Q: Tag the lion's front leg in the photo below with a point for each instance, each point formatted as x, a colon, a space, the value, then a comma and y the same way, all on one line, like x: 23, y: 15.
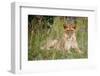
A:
x: 75, y: 46
x: 67, y: 47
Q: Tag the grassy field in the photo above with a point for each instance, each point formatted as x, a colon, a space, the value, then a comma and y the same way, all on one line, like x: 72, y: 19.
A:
x: 35, y: 41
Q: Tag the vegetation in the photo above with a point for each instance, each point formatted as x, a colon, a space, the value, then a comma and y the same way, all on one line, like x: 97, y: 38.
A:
x: 43, y: 28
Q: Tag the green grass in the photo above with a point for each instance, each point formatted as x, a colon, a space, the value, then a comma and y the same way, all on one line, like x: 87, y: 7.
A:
x: 35, y: 42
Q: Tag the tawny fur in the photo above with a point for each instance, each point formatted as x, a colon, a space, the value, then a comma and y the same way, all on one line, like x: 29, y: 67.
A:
x: 67, y: 41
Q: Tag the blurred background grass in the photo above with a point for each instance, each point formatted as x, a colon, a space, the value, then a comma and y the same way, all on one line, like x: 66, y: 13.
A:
x: 43, y: 28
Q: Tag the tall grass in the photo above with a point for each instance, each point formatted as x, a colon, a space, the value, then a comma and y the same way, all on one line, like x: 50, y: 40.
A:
x: 36, y: 40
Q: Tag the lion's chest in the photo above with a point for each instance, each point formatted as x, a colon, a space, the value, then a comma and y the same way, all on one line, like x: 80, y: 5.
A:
x: 70, y: 43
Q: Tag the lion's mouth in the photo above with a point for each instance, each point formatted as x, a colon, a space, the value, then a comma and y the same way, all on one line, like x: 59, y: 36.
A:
x: 69, y: 34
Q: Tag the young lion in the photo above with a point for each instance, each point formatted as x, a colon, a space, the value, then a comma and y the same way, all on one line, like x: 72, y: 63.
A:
x: 67, y: 41
x: 70, y: 38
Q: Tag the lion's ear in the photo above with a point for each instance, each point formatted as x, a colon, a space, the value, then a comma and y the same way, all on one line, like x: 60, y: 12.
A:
x: 74, y: 26
x: 65, y: 26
